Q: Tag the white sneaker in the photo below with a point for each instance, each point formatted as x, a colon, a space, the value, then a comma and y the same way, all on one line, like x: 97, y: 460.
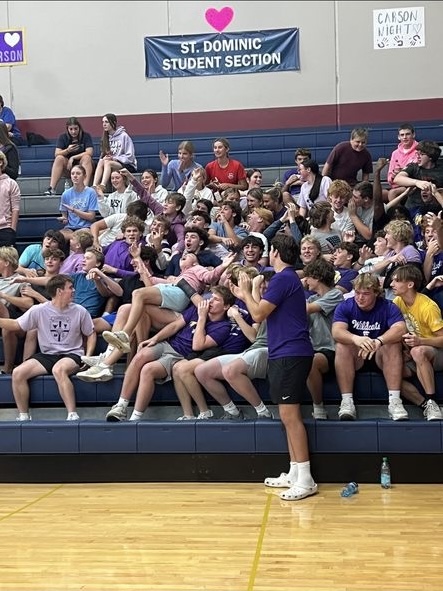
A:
x: 207, y: 414
x: 347, y: 410
x: 96, y: 373
x: 22, y: 419
x: 73, y: 416
x: 265, y: 415
x: 117, y: 413
x: 118, y: 339
x: 319, y: 413
x: 186, y: 418
x: 92, y: 360
x: 397, y: 411
x: 432, y: 411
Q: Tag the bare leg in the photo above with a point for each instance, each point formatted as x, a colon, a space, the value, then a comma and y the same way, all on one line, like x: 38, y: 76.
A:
x: 235, y: 374
x: 62, y: 371
x: 98, y: 172
x: 20, y: 386
x: 410, y: 392
x: 187, y: 387
x: 424, y: 357
x: 315, y: 378
x: 210, y: 374
x: 291, y: 417
x: 134, y: 372
x: 58, y: 168
x: 389, y: 359
x: 150, y: 372
x: 86, y: 162
x: 346, y: 364
x: 140, y: 298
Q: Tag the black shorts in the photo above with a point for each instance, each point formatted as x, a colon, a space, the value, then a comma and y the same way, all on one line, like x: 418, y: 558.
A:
x: 48, y: 361
x: 287, y: 378
x: 205, y: 355
x: 330, y: 357
x: 129, y: 167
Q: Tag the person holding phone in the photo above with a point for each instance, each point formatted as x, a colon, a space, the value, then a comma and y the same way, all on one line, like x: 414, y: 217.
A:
x: 73, y: 147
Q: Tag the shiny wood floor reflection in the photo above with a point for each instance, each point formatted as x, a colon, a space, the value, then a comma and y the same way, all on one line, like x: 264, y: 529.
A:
x: 218, y: 536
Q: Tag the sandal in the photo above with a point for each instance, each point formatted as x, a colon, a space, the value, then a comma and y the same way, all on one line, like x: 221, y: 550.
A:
x: 298, y: 492
x: 281, y: 481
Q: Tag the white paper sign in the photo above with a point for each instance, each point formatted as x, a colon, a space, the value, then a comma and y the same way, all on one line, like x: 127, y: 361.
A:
x: 399, y: 28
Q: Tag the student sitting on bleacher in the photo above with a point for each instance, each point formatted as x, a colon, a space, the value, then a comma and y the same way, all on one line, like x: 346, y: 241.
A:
x: 10, y: 302
x: 116, y: 151
x: 117, y: 254
x: 31, y: 260
x: 367, y: 328
x: 62, y: 327
x: 78, y: 243
x: 349, y: 157
x: 291, y: 181
x: 78, y: 204
x: 109, y: 229
x: 224, y: 172
x: 73, y: 147
x: 175, y: 173
x: 9, y: 149
x: 320, y: 307
x: 10, y: 197
x: 118, y: 200
x: 422, y: 339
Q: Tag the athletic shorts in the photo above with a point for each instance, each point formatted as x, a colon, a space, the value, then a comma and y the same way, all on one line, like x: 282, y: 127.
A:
x: 173, y: 298
x: 287, y: 378
x: 110, y: 318
x: 166, y: 356
x: 48, y: 361
x: 256, y: 361
x: 437, y: 364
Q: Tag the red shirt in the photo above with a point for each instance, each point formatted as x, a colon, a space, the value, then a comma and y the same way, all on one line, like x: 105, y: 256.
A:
x: 232, y: 173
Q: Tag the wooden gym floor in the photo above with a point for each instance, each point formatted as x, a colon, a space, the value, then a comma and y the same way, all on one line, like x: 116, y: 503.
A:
x: 238, y: 537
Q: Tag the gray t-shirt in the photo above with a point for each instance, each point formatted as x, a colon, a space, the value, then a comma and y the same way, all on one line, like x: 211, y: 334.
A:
x: 59, y: 331
x: 320, y: 323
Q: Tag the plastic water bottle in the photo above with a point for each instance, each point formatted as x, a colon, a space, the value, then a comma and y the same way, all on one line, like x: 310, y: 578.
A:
x: 385, y: 474
x: 350, y: 489
x: 67, y: 185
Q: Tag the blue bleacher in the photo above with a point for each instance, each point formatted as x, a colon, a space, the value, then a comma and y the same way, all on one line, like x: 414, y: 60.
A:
x: 251, y: 438
x: 254, y: 149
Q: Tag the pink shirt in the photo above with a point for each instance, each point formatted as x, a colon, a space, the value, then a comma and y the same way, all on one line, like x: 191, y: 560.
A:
x: 9, y: 200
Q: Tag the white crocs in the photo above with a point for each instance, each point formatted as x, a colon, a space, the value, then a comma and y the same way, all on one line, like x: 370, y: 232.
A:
x: 298, y: 492
x: 281, y: 481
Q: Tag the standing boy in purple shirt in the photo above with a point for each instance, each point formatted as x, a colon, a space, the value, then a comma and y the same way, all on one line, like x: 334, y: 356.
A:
x: 283, y: 306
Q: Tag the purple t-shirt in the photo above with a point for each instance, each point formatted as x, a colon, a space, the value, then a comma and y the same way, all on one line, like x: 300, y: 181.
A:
x: 236, y: 341
x: 372, y: 323
x: 59, y: 331
x: 182, y: 341
x: 288, y: 328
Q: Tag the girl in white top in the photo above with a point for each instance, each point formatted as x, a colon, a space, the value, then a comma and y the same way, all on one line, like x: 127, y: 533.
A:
x: 117, y: 201
x: 314, y: 188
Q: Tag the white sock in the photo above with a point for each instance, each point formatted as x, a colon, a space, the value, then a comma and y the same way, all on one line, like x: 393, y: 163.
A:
x: 293, y: 471
x: 394, y: 394
x: 320, y: 405
x: 109, y: 350
x: 347, y: 395
x: 24, y: 416
x: 136, y: 415
x: 123, y: 402
x: 304, y: 474
x: 231, y: 409
x: 260, y: 408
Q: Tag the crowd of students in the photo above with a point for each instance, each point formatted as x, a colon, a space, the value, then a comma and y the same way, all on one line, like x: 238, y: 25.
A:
x: 184, y: 274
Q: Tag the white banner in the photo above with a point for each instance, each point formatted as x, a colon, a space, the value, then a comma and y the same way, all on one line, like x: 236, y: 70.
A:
x: 399, y: 28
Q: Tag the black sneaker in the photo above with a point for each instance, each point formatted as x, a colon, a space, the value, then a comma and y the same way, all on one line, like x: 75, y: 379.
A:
x: 49, y: 192
x: 227, y: 416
